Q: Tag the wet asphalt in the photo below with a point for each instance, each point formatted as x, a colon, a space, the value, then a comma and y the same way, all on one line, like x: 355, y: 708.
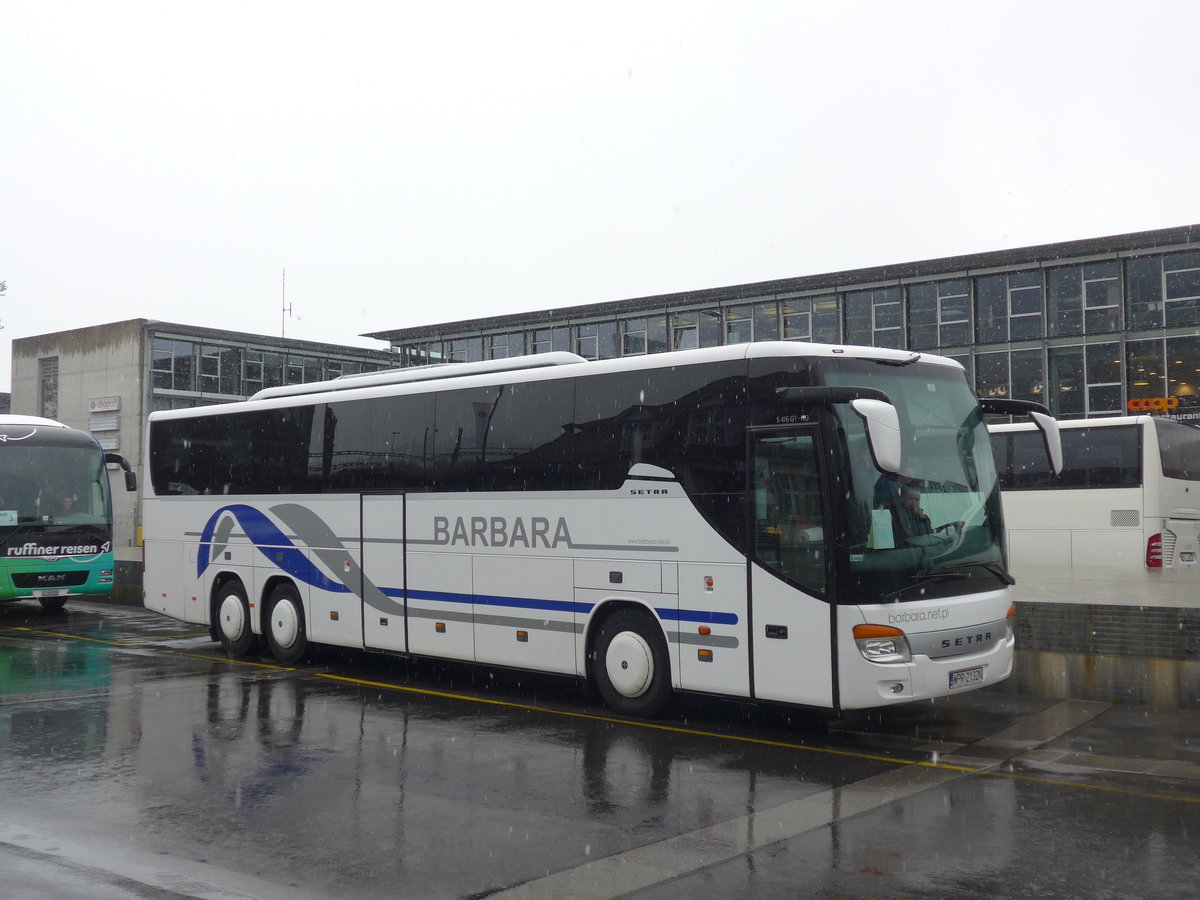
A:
x: 137, y: 761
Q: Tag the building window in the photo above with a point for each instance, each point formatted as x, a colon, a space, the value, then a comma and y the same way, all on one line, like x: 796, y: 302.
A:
x: 954, y: 313
x: 503, y: 346
x: 1065, y: 393
x: 922, y: 316
x: 1144, y: 292
x: 1008, y: 307
x: 48, y: 387
x: 587, y: 342
x: 826, y: 320
x: 173, y: 365
x: 495, y: 346
x: 1181, y: 284
x: 1028, y: 375
x: 1183, y: 381
x: 991, y: 374
x: 766, y: 321
x: 1019, y: 375
x: 739, y: 324
x: 464, y: 350
x: 1101, y: 297
x: 609, y: 341
x: 252, y: 371
x: 797, y: 320
x: 633, y: 337
x: 545, y: 340
x: 598, y: 340
x: 1146, y: 372
x: 1104, y: 387
x: 875, y: 318
x: 685, y: 331
x: 1084, y: 299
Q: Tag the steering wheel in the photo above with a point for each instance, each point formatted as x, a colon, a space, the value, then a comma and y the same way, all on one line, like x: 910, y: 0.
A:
x: 950, y: 528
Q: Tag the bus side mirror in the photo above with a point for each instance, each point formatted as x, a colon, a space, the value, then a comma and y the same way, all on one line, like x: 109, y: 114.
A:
x: 1048, y: 426
x: 883, y: 432
x: 1046, y: 423
x: 130, y: 477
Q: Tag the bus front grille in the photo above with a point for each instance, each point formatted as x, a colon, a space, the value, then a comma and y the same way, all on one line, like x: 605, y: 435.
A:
x: 72, y: 578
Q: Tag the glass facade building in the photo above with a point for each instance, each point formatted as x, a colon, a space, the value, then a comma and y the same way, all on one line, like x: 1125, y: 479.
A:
x: 197, y: 367
x: 1094, y: 327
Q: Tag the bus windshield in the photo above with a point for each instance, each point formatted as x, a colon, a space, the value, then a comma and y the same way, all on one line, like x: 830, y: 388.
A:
x: 42, y: 486
x: 935, y: 528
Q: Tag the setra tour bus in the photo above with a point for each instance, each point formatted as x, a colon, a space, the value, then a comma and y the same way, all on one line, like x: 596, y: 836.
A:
x: 55, y: 512
x: 1128, y: 496
x: 802, y: 523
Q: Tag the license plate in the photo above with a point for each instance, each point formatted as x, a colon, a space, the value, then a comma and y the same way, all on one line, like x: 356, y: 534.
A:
x: 51, y: 592
x: 966, y: 677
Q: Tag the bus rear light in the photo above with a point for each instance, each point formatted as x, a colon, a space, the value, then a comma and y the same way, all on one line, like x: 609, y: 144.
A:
x: 1154, y: 554
x: 882, y: 643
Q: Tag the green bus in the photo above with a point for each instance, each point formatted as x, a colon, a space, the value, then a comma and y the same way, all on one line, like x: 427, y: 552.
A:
x: 56, y: 528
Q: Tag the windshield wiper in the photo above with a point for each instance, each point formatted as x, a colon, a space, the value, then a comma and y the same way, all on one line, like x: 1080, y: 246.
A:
x: 922, y: 579
x: 907, y: 361
x: 992, y: 567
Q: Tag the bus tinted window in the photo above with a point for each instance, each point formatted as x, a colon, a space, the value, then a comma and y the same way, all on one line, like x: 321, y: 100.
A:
x: 1179, y: 447
x: 259, y: 452
x: 681, y: 419
x: 528, y: 433
x: 506, y: 438
x: 1092, y: 457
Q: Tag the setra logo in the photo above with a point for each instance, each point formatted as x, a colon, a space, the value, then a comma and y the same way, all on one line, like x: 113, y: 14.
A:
x: 1153, y: 404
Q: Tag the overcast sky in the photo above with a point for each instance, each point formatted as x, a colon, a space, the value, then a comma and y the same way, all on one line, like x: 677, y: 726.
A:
x: 416, y: 163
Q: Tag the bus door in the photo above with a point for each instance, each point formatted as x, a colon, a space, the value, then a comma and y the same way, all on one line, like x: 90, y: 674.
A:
x: 383, y: 572
x: 791, y: 612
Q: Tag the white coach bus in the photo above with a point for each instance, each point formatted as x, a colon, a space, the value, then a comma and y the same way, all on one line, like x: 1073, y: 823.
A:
x: 719, y: 520
x: 1128, y: 497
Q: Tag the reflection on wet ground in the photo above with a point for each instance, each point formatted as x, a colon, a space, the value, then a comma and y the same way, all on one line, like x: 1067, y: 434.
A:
x: 130, y: 740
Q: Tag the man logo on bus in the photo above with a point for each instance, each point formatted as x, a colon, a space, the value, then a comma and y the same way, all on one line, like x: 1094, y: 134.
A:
x: 1153, y: 404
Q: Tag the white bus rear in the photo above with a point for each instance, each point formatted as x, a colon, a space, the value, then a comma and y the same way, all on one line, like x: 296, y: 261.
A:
x: 1128, y: 498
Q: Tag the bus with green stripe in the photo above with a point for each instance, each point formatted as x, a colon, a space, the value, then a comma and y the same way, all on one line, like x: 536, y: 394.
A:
x: 56, y: 524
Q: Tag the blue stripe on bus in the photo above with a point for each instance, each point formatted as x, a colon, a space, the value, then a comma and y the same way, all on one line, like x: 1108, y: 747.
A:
x: 670, y: 615
x: 697, y: 615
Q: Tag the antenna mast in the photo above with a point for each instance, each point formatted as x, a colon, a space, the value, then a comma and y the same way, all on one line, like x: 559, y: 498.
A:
x: 285, y: 307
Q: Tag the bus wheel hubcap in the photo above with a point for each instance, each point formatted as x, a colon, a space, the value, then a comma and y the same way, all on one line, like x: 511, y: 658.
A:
x: 284, y: 624
x: 233, y: 617
x: 629, y: 664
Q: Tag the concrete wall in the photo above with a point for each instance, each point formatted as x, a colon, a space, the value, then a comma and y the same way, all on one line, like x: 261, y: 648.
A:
x: 1133, y: 654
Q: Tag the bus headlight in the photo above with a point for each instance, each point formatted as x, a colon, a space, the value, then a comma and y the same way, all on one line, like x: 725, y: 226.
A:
x: 882, y: 643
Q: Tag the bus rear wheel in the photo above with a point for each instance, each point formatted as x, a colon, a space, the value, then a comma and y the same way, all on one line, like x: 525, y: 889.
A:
x: 286, y: 634
x: 631, y: 666
x: 233, y: 619
x: 52, y: 604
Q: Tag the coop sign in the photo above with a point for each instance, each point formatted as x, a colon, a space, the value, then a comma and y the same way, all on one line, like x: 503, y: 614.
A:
x: 1153, y: 404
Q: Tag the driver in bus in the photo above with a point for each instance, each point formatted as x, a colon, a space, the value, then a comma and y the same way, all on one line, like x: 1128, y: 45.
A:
x: 911, y: 521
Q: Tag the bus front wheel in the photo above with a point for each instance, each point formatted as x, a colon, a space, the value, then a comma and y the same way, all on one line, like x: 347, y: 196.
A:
x: 285, y: 625
x: 631, y: 665
x: 233, y: 620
